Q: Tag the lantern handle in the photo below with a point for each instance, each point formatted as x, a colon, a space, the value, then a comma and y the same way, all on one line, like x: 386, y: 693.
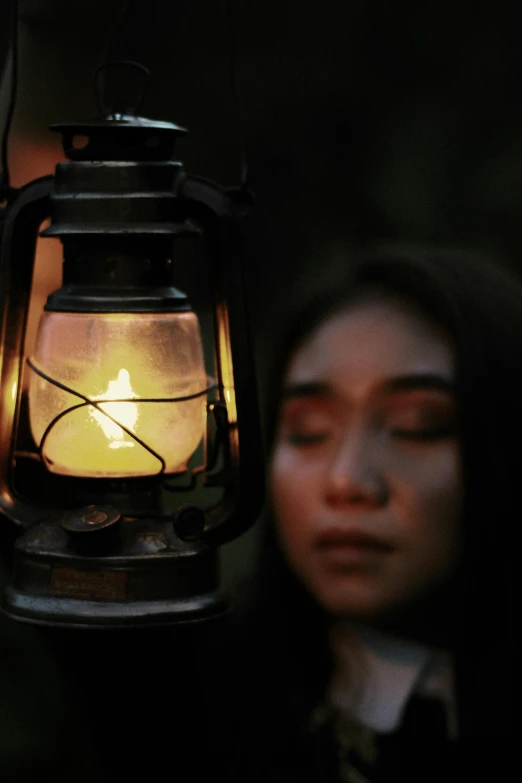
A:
x: 120, y: 104
x: 19, y: 232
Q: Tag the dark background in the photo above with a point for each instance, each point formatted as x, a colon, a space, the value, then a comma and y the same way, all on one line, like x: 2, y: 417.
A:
x: 360, y: 120
x: 365, y: 118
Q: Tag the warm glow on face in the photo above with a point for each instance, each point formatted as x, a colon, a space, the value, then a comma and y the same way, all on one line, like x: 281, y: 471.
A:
x: 366, y: 476
x: 126, y: 413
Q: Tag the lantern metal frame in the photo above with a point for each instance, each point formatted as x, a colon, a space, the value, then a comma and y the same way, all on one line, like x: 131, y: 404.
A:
x: 119, y: 559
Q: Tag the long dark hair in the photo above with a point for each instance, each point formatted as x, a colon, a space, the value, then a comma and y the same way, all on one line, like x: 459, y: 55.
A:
x: 479, y: 304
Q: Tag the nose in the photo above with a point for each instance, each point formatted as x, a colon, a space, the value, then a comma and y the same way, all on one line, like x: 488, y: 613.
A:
x: 354, y: 475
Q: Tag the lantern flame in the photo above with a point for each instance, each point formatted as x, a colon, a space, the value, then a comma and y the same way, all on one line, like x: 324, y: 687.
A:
x: 124, y: 412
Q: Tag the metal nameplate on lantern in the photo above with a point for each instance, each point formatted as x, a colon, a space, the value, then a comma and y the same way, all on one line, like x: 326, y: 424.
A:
x: 101, y: 585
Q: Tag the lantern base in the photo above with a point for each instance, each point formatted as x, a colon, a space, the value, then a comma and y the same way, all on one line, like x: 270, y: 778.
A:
x: 81, y: 613
x: 130, y: 573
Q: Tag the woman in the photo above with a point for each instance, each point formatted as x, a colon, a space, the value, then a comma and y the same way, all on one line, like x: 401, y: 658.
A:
x: 382, y: 634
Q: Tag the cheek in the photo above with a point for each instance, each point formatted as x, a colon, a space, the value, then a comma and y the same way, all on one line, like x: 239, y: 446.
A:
x: 295, y: 493
x: 442, y: 486
x: 435, y: 480
x: 433, y: 497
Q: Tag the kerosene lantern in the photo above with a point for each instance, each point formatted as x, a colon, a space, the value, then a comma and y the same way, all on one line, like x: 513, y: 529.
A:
x: 134, y: 454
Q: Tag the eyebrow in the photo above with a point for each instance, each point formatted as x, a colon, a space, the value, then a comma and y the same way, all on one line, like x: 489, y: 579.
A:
x: 307, y: 389
x: 428, y: 381
x: 402, y: 383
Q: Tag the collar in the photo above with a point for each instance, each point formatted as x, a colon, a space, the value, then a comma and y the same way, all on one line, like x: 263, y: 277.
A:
x: 376, y: 673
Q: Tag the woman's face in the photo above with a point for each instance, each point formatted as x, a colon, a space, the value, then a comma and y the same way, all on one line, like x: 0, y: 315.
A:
x: 366, y: 476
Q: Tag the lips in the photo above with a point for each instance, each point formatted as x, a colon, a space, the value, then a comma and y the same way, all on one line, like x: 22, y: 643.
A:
x: 350, y: 537
x: 348, y: 548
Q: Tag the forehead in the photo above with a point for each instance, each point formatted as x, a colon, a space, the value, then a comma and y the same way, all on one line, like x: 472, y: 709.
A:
x: 371, y: 339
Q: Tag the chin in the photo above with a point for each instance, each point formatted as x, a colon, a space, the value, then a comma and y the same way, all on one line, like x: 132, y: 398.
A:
x: 425, y: 619
x: 357, y: 605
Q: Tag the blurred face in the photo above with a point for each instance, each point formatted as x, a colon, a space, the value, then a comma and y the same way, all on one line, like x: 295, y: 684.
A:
x: 365, y: 476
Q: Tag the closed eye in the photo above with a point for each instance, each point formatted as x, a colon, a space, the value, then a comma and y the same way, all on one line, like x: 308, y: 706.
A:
x: 305, y: 423
x: 430, y: 417
x: 306, y: 438
x: 442, y: 432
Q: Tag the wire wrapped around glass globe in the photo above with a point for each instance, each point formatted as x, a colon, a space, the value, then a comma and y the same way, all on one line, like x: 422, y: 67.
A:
x: 108, y: 393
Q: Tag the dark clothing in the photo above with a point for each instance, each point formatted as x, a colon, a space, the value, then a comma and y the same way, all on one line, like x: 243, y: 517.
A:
x: 319, y: 758
x: 41, y: 733
x: 274, y: 726
x: 80, y: 706
x: 198, y: 702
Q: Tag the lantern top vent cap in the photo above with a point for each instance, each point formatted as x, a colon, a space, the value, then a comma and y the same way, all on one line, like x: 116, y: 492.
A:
x: 119, y: 138
x: 119, y: 133
x: 119, y: 121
